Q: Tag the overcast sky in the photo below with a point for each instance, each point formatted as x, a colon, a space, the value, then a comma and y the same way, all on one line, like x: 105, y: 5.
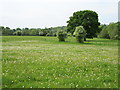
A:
x: 51, y: 13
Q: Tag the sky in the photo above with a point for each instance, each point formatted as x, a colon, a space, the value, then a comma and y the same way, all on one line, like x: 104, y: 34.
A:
x: 119, y: 11
x: 52, y: 13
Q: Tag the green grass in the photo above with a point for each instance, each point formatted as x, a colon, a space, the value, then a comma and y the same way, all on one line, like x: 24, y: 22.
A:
x: 43, y: 62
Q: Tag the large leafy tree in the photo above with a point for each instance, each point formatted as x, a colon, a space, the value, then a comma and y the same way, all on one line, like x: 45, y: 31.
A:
x: 88, y: 19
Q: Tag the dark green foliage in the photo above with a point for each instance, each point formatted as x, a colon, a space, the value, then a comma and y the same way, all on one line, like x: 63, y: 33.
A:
x: 18, y: 29
x: 80, y: 34
x: 88, y: 19
x: 111, y: 31
x: 18, y: 33
x: 6, y: 31
x: 61, y: 35
x: 1, y: 29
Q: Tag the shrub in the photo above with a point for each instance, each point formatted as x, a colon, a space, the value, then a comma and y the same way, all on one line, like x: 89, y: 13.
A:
x: 80, y: 34
x: 61, y: 35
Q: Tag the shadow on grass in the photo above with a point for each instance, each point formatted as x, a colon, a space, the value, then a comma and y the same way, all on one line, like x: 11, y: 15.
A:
x: 102, y: 42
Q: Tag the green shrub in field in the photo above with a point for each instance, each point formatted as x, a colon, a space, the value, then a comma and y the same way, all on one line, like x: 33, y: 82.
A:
x: 61, y: 35
x: 80, y: 34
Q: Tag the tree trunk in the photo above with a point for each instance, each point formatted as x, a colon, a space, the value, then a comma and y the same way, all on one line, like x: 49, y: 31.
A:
x: 85, y: 39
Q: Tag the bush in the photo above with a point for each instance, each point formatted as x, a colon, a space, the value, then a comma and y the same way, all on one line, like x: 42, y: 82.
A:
x: 61, y: 35
x: 80, y: 34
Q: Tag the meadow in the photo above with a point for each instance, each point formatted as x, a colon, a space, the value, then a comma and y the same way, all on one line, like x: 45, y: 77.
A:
x: 44, y: 62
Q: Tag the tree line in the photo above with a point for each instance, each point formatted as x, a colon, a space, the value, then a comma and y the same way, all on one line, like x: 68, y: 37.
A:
x: 31, y: 31
x: 86, y: 19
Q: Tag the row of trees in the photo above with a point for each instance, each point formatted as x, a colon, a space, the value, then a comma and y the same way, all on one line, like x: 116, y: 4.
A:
x: 87, y: 19
x: 32, y: 31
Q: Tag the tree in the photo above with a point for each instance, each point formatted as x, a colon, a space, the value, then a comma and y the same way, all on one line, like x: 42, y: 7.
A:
x: 101, y: 27
x: 25, y: 31
x: 43, y: 32
x: 18, y: 33
x: 18, y: 29
x: 1, y: 30
x: 33, y: 32
x: 6, y: 31
x: 88, y: 19
x: 104, y: 33
x: 111, y: 31
x: 80, y: 34
x: 61, y: 35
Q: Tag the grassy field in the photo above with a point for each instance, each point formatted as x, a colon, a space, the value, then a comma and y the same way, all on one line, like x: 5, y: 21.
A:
x: 43, y: 62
